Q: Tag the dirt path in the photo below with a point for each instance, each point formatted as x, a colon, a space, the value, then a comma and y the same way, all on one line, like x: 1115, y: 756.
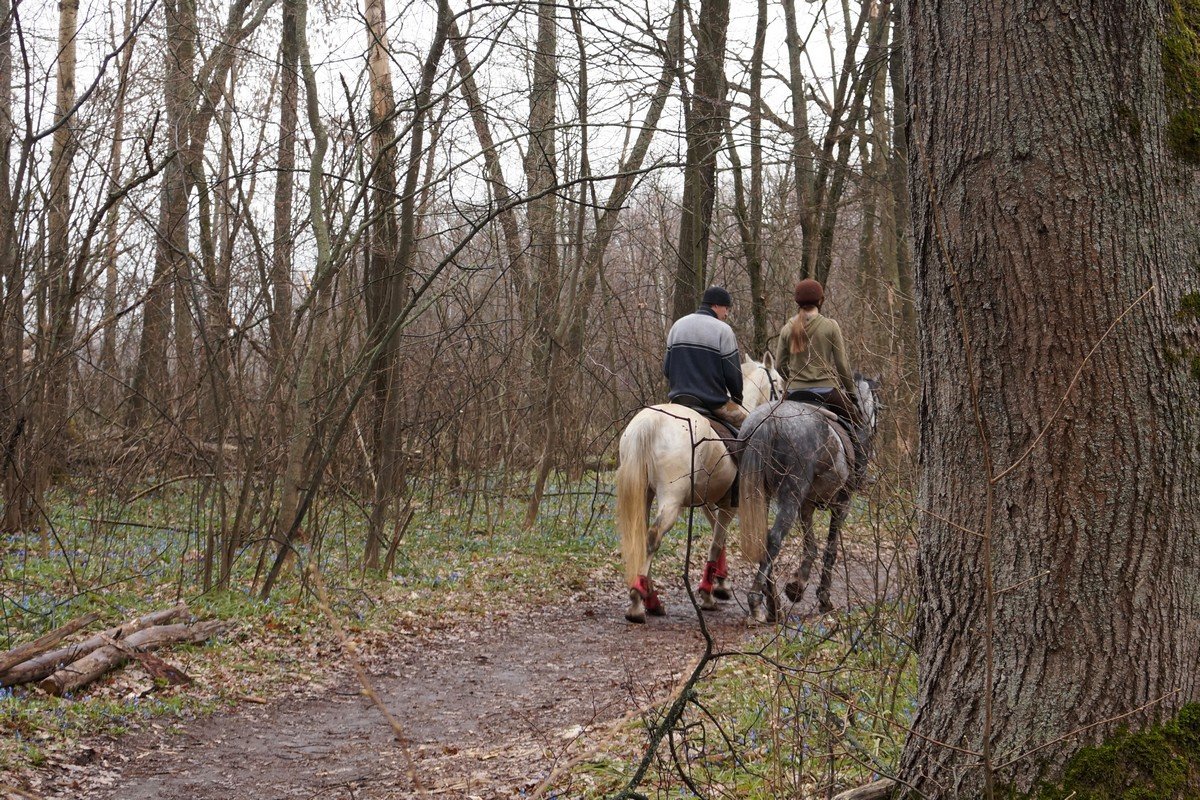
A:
x: 488, y: 713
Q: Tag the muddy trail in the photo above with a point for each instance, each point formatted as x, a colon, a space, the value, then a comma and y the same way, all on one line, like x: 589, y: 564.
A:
x: 487, y: 712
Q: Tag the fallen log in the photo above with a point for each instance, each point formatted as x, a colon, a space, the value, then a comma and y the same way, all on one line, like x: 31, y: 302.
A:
x: 878, y: 790
x: 34, y: 669
x: 43, y: 643
x: 112, y: 655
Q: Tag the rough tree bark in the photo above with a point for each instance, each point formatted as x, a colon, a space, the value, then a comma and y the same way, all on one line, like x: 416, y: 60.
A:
x: 1055, y: 245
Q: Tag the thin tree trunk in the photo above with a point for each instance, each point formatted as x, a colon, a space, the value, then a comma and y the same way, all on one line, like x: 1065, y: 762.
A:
x: 14, y: 412
x: 56, y: 356
x: 803, y: 148
x: 831, y: 199
x: 541, y: 173
x: 501, y: 196
x: 290, y: 516
x: 108, y: 346
x: 898, y: 173
x: 281, y: 288
x: 609, y: 218
x: 192, y: 99
x: 390, y: 380
x: 705, y: 127
x: 282, y: 248
x: 171, y: 242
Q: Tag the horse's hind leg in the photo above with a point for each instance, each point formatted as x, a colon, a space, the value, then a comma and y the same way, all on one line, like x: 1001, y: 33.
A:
x: 642, y: 596
x: 837, y: 516
x: 764, y: 595
x: 795, y: 587
x: 712, y: 585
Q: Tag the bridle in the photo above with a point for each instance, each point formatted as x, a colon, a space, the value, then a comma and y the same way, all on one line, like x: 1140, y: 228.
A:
x: 770, y: 381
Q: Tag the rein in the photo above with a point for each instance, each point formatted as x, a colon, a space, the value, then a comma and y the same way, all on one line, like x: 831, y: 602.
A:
x: 770, y: 381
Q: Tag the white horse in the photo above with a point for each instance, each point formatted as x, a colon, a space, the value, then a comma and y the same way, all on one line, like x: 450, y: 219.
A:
x: 671, y: 452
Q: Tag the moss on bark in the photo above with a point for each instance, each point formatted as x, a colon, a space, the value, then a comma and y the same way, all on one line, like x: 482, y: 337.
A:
x: 1159, y: 763
x: 1181, y: 68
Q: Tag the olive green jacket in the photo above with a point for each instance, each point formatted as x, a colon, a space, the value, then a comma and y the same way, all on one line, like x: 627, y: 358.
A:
x: 822, y: 364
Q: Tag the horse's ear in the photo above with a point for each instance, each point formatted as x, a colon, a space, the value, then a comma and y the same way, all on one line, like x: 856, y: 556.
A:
x: 768, y: 360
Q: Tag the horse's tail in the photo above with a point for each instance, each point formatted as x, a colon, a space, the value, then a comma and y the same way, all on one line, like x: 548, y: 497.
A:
x: 632, y: 507
x: 752, y: 501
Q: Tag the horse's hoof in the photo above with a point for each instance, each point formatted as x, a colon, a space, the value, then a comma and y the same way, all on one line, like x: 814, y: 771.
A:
x: 707, y: 603
x: 824, y: 606
x: 637, y: 609
x: 794, y: 591
x: 722, y: 592
x: 657, y: 610
x: 759, y: 616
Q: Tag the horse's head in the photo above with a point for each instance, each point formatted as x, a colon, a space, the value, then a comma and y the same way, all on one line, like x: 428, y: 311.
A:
x: 761, y: 383
x: 869, y: 405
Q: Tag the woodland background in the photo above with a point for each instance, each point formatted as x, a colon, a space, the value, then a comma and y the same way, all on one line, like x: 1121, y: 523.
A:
x: 275, y: 249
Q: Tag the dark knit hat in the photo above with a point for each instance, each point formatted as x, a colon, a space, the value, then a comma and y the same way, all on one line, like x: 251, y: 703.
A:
x: 809, y: 293
x: 716, y: 296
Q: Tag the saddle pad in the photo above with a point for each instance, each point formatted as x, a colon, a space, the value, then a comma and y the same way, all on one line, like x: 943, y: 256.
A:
x: 836, y: 423
x: 722, y: 430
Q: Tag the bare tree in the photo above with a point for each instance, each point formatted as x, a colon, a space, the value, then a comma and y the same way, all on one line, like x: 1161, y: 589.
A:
x: 541, y: 176
x: 705, y: 119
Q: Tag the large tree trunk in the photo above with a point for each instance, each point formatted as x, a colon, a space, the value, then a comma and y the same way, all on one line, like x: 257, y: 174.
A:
x: 706, y: 116
x: 1060, y: 435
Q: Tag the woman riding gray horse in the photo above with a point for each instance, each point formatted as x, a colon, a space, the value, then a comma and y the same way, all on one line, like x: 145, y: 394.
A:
x: 800, y: 454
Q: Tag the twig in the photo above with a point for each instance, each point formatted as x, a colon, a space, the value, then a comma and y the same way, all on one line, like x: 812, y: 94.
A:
x: 1074, y: 379
x: 364, y: 680
x: 1078, y: 731
x: 168, y: 482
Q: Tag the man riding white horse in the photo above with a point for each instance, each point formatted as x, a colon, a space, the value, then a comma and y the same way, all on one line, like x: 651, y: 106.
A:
x: 704, y: 372
x: 702, y: 363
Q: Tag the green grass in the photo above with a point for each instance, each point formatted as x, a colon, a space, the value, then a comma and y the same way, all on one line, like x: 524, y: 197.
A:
x: 800, y: 712
x: 126, y: 558
x: 821, y: 706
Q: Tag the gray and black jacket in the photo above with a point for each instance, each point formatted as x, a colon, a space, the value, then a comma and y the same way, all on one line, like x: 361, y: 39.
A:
x: 702, y: 359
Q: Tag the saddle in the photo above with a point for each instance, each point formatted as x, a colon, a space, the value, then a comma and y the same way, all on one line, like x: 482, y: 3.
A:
x: 721, y: 428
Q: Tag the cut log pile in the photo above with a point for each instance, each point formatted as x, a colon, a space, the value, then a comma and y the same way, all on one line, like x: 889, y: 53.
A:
x: 61, y: 669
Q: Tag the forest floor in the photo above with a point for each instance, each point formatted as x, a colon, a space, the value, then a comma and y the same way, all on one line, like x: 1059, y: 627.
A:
x: 503, y: 657
x: 488, y: 708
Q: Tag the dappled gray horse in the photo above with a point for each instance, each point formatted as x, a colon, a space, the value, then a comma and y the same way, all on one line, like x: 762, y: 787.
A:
x: 794, y: 453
